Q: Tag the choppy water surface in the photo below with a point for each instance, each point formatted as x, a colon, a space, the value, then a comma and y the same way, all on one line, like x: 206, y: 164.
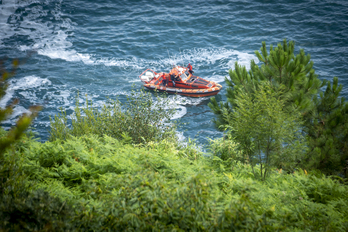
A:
x: 99, y: 48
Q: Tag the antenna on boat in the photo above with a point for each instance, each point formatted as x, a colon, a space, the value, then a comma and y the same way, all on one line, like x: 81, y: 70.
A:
x: 182, y: 58
x: 169, y: 55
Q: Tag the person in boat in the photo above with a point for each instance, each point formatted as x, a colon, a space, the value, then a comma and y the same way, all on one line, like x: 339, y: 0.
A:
x: 172, y: 78
x: 175, y: 78
x: 165, y: 79
x: 189, y: 66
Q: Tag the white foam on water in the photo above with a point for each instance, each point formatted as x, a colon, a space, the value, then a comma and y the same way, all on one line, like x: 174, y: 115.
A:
x: 217, y: 78
x: 182, y: 100
x: 50, y: 40
x: 8, y: 8
x: 26, y: 84
x: 64, y: 97
x: 17, y: 111
x: 54, y: 44
x: 179, y: 103
x: 56, y: 97
x: 179, y: 113
x: 133, y: 63
x: 203, y: 56
x: 243, y: 59
x: 221, y: 57
x: 133, y: 81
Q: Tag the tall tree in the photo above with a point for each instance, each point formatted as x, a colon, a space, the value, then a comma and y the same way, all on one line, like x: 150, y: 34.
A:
x: 327, y: 132
x: 282, y: 68
x: 266, y: 132
x: 324, y: 113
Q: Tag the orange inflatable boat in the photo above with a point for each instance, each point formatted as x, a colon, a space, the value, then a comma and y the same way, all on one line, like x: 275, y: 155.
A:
x: 179, y: 80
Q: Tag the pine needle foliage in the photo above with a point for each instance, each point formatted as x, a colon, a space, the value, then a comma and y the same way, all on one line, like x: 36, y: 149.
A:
x: 293, y: 73
x: 140, y: 119
x: 327, y: 130
x: 324, y: 112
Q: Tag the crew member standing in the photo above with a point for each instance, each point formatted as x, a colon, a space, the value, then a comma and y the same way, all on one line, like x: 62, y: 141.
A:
x: 165, y: 79
x: 189, y: 66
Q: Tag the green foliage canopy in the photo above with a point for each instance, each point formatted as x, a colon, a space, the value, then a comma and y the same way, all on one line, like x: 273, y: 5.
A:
x: 293, y: 74
x: 324, y: 113
x: 327, y: 132
x: 140, y: 119
x: 267, y: 133
x: 101, y: 183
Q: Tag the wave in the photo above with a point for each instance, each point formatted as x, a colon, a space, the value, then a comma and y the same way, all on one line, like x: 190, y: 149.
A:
x: 26, y: 84
x: 43, y: 27
x: 27, y: 87
x: 199, y: 57
x: 203, y: 56
x: 48, y: 33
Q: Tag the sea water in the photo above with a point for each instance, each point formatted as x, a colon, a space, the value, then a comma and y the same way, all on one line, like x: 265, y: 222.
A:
x: 99, y: 48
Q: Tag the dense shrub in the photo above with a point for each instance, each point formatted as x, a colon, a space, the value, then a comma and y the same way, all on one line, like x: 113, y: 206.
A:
x: 35, y: 211
x: 140, y: 119
x: 107, y: 184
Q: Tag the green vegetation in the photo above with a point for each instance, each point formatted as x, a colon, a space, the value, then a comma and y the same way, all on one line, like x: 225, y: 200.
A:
x: 284, y: 70
x: 324, y: 113
x: 100, y: 183
x: 23, y: 122
x: 121, y: 168
x: 327, y: 132
x: 266, y: 133
x: 140, y: 119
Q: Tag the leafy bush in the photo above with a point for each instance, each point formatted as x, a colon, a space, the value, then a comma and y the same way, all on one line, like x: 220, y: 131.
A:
x: 108, y: 184
x: 299, y: 201
x: 36, y: 211
x: 140, y: 119
x: 227, y: 149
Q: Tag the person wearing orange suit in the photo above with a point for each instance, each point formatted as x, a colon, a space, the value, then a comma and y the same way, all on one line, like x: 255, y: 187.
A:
x: 166, y: 78
x: 189, y: 66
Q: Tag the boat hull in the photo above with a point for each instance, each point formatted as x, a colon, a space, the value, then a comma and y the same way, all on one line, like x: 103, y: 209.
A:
x: 179, y: 81
x: 185, y: 92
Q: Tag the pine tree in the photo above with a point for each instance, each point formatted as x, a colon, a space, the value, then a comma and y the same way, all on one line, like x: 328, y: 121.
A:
x: 325, y: 115
x: 327, y: 131
x: 282, y: 69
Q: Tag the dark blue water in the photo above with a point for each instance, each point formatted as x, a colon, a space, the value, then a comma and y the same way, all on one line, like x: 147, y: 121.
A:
x: 99, y: 48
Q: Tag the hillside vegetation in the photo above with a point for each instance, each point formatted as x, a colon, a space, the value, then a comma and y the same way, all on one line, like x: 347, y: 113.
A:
x: 122, y: 168
x: 100, y: 183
